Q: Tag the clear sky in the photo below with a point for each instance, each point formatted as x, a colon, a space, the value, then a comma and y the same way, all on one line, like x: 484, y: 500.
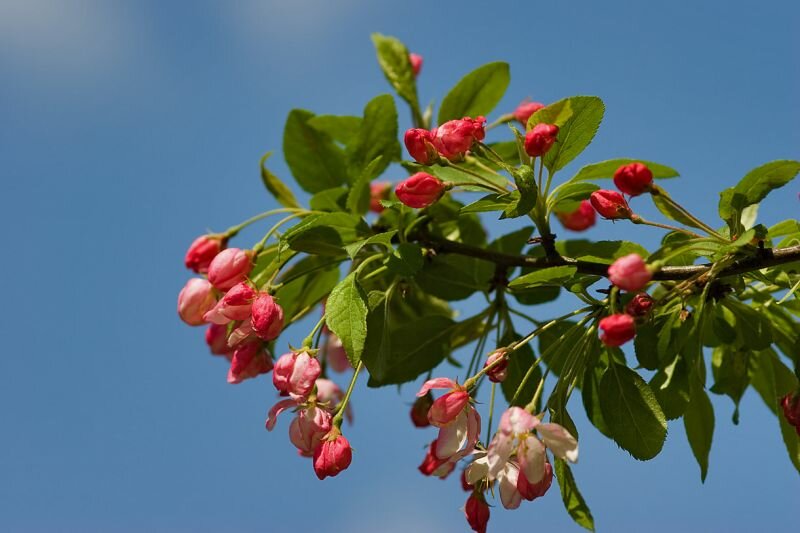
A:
x: 128, y: 128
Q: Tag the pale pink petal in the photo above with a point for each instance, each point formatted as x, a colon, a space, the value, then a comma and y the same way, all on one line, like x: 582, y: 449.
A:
x: 452, y: 437
x: 532, y: 458
x: 215, y: 315
x: 473, y: 428
x: 509, y: 495
x: 518, y: 420
x: 243, y: 332
x: 277, y: 409
x: 436, y: 383
x: 498, y: 453
x: 560, y: 441
x: 477, y: 470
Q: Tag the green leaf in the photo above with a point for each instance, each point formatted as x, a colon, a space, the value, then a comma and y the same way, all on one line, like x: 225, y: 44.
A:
x: 577, y: 132
x: 645, y: 344
x: 753, y: 328
x: 557, y: 113
x: 326, y: 234
x: 544, y: 277
x: 591, y: 397
x: 518, y: 365
x: 340, y: 128
x: 377, y: 138
x: 512, y: 243
x: 568, y: 198
x: 527, y: 191
x: 359, y: 196
x: 571, y: 496
x: 606, y: 169
x: 755, y: 186
x: 670, y: 385
x: 630, y: 409
x: 699, y: 423
x: 454, y: 278
x: 332, y: 200
x: 669, y: 211
x: 491, y: 202
x: 315, y: 161
x: 393, y: 59
x: 452, y: 173
x: 383, y: 239
x: 477, y: 93
x: 731, y: 377
x: 406, y: 260
x: 346, y: 316
x: 305, y: 284
x: 599, y: 251
x: 275, y: 186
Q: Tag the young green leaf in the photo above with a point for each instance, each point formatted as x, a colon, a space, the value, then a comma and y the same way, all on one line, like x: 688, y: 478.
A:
x: 755, y: 186
x: 577, y: 132
x: 571, y: 496
x: 358, y: 197
x: 346, y: 316
x: 377, y: 138
x: 315, y: 161
x: 699, y: 423
x: 340, y: 128
x: 275, y: 186
x: 477, y: 93
x: 543, y: 277
x: 393, y: 59
x: 326, y: 234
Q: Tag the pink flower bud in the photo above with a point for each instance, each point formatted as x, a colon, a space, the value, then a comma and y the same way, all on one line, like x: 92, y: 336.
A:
x: 610, y: 204
x: 432, y: 465
x: 477, y: 513
x: 217, y: 339
x: 416, y: 63
x: 581, y: 219
x: 295, y: 374
x: 419, y: 411
x: 266, y: 317
x: 332, y: 456
x: 309, y: 428
x: 420, y: 145
x: 633, y: 179
x: 446, y: 408
x: 540, y: 139
x: 531, y: 491
x: 195, y: 300
x: 235, y: 305
x: 629, y: 273
x: 378, y: 191
x: 640, y: 305
x: 202, y: 251
x: 454, y: 138
x: 420, y: 190
x: 335, y: 354
x: 249, y: 360
x: 524, y: 111
x: 499, y: 371
x: 229, y: 267
x: 791, y: 410
x: 617, y: 329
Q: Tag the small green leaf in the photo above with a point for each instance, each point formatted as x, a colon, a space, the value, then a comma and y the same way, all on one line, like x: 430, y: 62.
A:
x: 512, y: 243
x: 571, y: 496
x: 755, y: 186
x: 315, y: 161
x: 393, y: 59
x: 544, y: 277
x: 671, y: 388
x: 377, y: 138
x: 630, y: 409
x: 326, y: 234
x: 384, y: 239
x: 359, y: 195
x: 305, y: 284
x: 567, y: 199
x: 754, y: 329
x: 340, y: 128
x: 406, y: 260
x: 577, y: 133
x: 477, y: 93
x: 454, y: 278
x: 731, y: 376
x: 331, y: 200
x: 600, y: 251
x: 699, y: 423
x: 275, y: 186
x: 669, y: 211
x: 491, y: 202
x: 346, y: 316
x: 527, y: 191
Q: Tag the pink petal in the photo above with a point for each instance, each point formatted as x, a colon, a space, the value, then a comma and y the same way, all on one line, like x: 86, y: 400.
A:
x: 452, y: 437
x: 498, y: 453
x: 532, y: 458
x: 560, y: 441
x: 517, y: 420
x: 509, y: 495
x: 277, y: 409
x: 436, y: 383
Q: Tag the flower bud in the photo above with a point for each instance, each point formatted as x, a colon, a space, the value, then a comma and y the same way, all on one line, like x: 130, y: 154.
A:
x: 610, y: 204
x: 640, y: 305
x: 791, y: 410
x: 524, y: 111
x: 477, y: 513
x: 420, y: 190
x: 195, y: 300
x: 266, y: 317
x: 202, y: 251
x: 229, y: 267
x: 378, y: 191
x: 446, y: 408
x: 416, y: 63
x: 432, y: 465
x: 420, y: 145
x: 235, y: 305
x: 217, y: 339
x: 295, y: 374
x: 633, y: 179
x: 309, y: 428
x: 419, y: 411
x: 531, y: 491
x: 332, y: 456
x: 617, y: 329
x: 540, y: 139
x: 498, y: 372
x: 249, y: 360
x: 579, y: 220
x: 629, y: 273
x: 455, y: 137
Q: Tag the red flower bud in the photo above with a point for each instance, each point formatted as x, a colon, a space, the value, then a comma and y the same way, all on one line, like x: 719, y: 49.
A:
x: 229, y: 267
x: 249, y: 360
x: 332, y: 456
x: 266, y: 317
x: 446, y: 408
x: 640, y: 305
x: 791, y: 410
x: 416, y: 63
x: 540, y: 139
x: 378, y: 191
x: 531, y: 491
x: 477, y: 513
x: 295, y: 374
x: 498, y: 372
x: 202, y: 251
x: 581, y: 219
x: 455, y: 137
x: 420, y: 146
x: 432, y: 465
x: 420, y: 190
x: 195, y: 300
x: 524, y: 111
x: 629, y: 273
x: 610, y: 204
x: 419, y: 411
x: 617, y: 329
x: 633, y: 179
x: 217, y: 339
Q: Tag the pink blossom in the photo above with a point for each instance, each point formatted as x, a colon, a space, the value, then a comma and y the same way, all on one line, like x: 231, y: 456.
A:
x: 202, y: 251
x: 295, y: 374
x: 230, y: 267
x: 498, y: 372
x: 249, y: 360
x: 454, y: 138
x: 617, y: 329
x: 540, y: 139
x: 266, y: 317
x: 420, y: 190
x: 195, y: 300
x: 235, y: 305
x: 633, y: 178
x: 308, y: 429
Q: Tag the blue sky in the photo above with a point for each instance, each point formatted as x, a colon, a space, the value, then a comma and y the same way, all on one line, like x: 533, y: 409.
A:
x: 126, y: 129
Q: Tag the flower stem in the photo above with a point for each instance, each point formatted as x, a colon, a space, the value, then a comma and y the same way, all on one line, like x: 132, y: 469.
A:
x: 233, y: 230
x: 636, y: 219
x: 337, y: 419
x: 708, y: 229
x: 491, y: 414
x: 310, y: 338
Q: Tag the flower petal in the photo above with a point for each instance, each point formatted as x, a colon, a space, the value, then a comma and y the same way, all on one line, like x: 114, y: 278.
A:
x: 436, y: 383
x: 509, y: 495
x: 532, y: 458
x: 452, y: 437
x: 498, y: 453
x: 277, y: 409
x: 560, y: 441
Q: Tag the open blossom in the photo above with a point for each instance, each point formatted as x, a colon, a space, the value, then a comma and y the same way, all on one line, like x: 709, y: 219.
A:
x: 420, y: 190
x: 633, y: 179
x: 378, y: 191
x: 629, y: 273
x: 525, y: 109
x: 332, y: 456
x: 416, y: 63
x: 610, y: 204
x: 420, y: 145
x: 295, y: 374
x: 308, y: 429
x: 202, y: 251
x: 235, y: 305
x: 499, y: 371
x: 640, y: 305
x: 540, y: 139
x: 249, y: 360
x: 266, y: 317
x: 454, y: 138
x: 617, y: 329
x: 195, y: 300
x: 229, y: 267
x: 217, y: 340
x: 477, y: 513
x: 457, y: 420
x: 581, y: 219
